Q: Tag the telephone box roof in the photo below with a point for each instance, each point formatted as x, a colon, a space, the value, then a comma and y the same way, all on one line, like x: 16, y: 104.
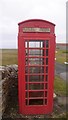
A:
x: 36, y: 20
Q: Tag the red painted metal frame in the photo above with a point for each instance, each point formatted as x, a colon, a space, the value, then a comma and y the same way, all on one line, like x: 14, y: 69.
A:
x: 22, y: 37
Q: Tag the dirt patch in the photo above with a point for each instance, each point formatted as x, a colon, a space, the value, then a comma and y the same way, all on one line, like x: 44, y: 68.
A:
x: 12, y: 111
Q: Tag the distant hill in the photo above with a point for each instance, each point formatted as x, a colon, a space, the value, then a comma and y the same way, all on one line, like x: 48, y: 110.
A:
x: 62, y: 46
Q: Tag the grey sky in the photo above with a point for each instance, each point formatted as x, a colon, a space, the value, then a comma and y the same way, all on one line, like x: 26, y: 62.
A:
x: 15, y: 11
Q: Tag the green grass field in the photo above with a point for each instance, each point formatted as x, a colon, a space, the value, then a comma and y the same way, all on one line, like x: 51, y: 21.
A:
x: 10, y: 56
x: 60, y: 86
x: 61, y: 56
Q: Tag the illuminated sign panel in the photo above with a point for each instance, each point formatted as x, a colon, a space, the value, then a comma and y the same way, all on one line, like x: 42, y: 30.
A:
x: 36, y: 29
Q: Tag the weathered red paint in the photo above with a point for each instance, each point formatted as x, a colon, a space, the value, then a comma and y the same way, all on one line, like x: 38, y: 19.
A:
x: 45, y: 107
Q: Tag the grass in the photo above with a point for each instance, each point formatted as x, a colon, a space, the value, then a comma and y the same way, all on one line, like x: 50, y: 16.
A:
x: 9, y: 56
x: 61, y: 56
x: 60, y: 86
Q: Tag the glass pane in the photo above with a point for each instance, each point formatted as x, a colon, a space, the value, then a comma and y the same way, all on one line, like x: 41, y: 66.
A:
x: 36, y: 86
x: 26, y: 62
x: 36, y: 53
x: 36, y: 78
x: 47, y: 44
x: 26, y: 78
x: 46, y: 86
x: 33, y: 44
x: 45, y: 93
x: 26, y: 52
x: 36, y: 102
x: 45, y: 101
x: 36, y: 94
x: 36, y: 61
x: 46, y: 52
x: 46, y: 77
x: 36, y: 70
x: 46, y: 61
x: 26, y: 95
x: 25, y: 44
x: 46, y: 69
x: 36, y: 44
x: 26, y: 70
x: 27, y: 86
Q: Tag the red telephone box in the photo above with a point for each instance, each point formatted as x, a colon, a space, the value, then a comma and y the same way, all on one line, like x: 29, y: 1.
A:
x: 36, y: 54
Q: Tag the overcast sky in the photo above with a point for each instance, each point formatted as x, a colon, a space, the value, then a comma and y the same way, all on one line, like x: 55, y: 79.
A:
x: 15, y: 11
